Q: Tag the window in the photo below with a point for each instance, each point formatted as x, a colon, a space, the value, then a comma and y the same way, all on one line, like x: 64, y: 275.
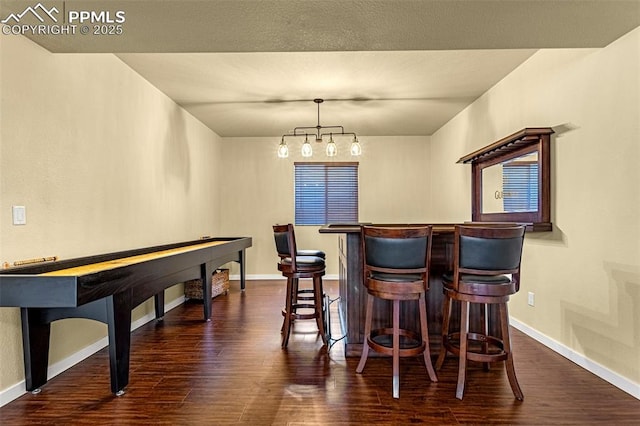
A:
x: 520, y: 186
x: 326, y: 193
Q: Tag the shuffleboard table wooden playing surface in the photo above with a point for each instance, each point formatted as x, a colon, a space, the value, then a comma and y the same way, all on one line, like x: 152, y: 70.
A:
x: 106, y: 288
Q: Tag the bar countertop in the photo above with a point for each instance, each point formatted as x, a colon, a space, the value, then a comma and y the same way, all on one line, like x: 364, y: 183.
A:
x: 438, y: 228
x: 347, y: 228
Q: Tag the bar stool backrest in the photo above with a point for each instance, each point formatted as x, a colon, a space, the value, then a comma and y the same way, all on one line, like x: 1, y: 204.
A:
x: 285, y: 239
x: 397, y: 250
x: 488, y: 250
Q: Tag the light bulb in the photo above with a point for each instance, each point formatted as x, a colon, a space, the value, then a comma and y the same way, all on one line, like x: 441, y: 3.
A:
x: 307, y: 151
x: 283, y: 149
x: 356, y: 149
x: 332, y: 149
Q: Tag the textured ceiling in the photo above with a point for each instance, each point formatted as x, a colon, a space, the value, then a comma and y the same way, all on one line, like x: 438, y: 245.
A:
x: 370, y: 93
x: 252, y: 68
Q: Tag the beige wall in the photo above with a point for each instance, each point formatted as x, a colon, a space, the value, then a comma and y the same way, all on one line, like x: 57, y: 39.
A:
x: 102, y: 161
x: 394, y: 187
x: 586, y: 273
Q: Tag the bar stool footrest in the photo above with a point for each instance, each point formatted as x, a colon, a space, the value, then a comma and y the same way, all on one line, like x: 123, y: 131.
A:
x: 494, y: 352
x: 295, y: 315
x: 306, y: 294
x: 412, y: 345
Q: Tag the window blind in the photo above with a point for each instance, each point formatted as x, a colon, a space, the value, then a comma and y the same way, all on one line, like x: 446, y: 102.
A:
x: 520, y: 187
x: 326, y: 193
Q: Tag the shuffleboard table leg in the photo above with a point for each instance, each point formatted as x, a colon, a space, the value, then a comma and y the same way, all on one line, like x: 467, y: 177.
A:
x: 35, y: 342
x: 118, y: 307
x: 242, y: 272
x: 159, y: 305
x: 206, y: 270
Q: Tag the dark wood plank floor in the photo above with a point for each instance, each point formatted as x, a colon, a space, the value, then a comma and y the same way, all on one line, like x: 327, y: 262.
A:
x: 232, y: 371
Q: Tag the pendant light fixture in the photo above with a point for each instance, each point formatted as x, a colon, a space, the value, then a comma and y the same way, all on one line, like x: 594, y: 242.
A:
x: 319, y: 133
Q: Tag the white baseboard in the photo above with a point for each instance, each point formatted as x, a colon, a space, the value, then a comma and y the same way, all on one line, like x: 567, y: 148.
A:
x: 17, y: 390
x: 604, y: 373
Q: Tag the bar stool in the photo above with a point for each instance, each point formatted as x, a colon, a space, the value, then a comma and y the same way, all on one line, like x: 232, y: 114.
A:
x: 486, y: 270
x: 305, y: 264
x: 304, y: 293
x: 396, y: 268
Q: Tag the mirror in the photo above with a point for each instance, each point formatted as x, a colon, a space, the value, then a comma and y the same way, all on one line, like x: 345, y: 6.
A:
x: 511, y: 186
x: 511, y: 180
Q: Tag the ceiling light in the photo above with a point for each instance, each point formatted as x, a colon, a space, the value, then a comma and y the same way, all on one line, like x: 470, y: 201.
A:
x: 283, y: 149
x: 317, y: 133
x: 356, y: 149
x: 307, y: 151
x: 332, y: 149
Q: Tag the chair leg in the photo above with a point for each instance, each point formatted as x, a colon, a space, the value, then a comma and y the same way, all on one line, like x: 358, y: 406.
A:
x: 485, y: 331
x: 424, y: 330
x: 446, y: 313
x: 295, y: 289
x: 396, y: 349
x: 286, y: 326
x: 320, y: 304
x: 511, y: 371
x: 318, y: 301
x: 462, y: 366
x: 294, y: 299
x: 367, y: 332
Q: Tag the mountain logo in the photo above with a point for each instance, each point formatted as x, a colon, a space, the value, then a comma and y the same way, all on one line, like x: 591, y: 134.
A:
x: 38, y: 11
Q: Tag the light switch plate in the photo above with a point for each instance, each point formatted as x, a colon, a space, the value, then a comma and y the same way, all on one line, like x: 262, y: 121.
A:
x: 19, y: 215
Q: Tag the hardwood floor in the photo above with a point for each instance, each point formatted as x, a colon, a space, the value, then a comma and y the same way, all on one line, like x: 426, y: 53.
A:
x: 232, y: 370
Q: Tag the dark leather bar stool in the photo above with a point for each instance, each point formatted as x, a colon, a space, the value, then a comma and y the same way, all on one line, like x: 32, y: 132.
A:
x: 304, y: 293
x: 486, y: 270
x: 396, y: 268
x: 296, y: 267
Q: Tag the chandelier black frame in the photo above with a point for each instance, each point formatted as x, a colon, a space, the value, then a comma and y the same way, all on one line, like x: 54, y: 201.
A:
x: 319, y: 134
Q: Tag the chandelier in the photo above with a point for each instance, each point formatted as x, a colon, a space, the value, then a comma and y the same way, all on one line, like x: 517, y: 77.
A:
x: 319, y: 133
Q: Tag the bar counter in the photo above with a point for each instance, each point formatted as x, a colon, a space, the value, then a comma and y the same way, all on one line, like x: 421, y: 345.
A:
x: 353, y: 294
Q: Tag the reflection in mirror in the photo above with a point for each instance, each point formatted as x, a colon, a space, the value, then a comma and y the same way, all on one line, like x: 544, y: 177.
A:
x: 511, y: 186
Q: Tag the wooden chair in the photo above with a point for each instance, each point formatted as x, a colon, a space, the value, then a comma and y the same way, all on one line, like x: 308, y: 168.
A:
x: 396, y: 268
x: 294, y: 268
x: 486, y: 270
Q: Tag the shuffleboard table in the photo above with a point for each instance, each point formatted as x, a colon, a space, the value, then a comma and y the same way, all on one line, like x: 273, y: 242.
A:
x: 106, y: 288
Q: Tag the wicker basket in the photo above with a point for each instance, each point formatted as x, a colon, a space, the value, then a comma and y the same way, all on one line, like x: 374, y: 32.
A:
x: 219, y: 285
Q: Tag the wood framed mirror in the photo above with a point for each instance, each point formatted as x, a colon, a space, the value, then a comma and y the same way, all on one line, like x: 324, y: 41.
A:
x: 511, y: 180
